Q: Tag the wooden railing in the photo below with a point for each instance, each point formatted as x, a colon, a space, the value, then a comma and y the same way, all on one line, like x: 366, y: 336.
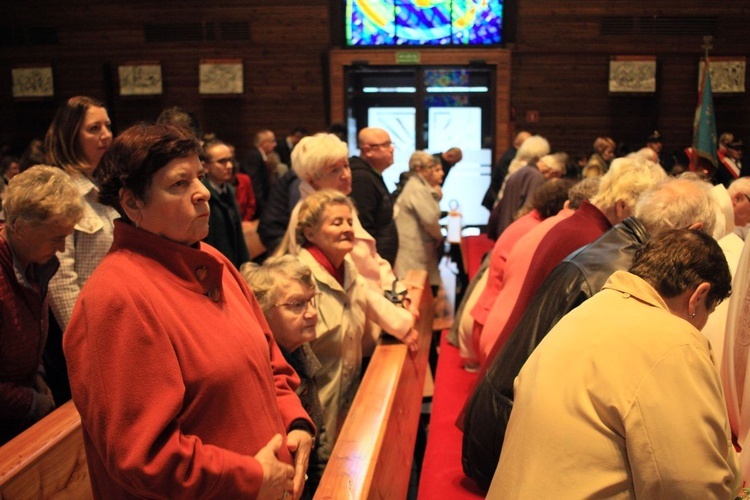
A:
x: 374, y: 451
x: 47, y: 460
x: 372, y: 457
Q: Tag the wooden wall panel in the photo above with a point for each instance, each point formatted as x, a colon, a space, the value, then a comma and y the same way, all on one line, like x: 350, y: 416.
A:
x: 561, y: 69
x: 283, y: 62
x: 559, y: 66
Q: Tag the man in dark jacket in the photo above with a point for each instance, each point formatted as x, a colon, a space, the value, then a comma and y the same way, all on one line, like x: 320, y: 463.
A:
x: 285, y: 147
x: 257, y: 168
x: 275, y: 219
x: 448, y: 160
x: 225, y: 227
x: 369, y: 192
x: 677, y: 203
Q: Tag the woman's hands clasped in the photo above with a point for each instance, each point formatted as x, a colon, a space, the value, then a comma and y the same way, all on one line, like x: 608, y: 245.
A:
x: 280, y: 480
x: 299, y: 444
x: 278, y: 477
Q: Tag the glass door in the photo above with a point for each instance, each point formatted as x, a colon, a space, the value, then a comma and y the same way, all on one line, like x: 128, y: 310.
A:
x: 431, y: 108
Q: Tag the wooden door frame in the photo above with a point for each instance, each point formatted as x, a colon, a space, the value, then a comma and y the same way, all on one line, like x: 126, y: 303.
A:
x: 497, y: 58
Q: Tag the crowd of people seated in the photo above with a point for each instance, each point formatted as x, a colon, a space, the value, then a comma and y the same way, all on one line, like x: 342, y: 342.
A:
x: 211, y: 318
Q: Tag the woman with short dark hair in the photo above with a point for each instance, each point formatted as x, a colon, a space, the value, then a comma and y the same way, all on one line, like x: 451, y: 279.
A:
x: 182, y: 390
x: 622, y: 396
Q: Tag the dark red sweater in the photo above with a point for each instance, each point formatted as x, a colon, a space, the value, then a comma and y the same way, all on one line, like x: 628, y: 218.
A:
x: 23, y: 332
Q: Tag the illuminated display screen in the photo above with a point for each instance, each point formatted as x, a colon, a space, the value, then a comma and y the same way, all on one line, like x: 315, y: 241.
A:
x: 424, y: 22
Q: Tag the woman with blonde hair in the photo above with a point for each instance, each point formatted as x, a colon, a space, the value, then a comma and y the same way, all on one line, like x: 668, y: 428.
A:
x: 604, y: 152
x: 77, y: 138
x: 325, y: 231
x: 41, y: 208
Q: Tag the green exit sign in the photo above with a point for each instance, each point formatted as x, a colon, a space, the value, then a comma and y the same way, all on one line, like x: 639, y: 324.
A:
x: 407, y: 58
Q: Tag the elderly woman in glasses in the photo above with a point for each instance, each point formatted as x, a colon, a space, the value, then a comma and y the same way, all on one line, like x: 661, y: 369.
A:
x: 288, y: 297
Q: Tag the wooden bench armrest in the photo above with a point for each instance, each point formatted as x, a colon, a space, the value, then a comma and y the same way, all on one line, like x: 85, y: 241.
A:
x: 374, y: 451
x: 47, y: 460
x: 372, y: 457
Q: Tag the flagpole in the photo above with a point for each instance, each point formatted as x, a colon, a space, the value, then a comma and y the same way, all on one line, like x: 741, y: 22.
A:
x: 706, y: 46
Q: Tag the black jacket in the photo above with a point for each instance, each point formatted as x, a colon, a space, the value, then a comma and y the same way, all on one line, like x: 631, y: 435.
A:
x: 497, y: 176
x: 225, y: 227
x: 374, y: 207
x: 574, y: 280
x: 256, y: 168
x: 278, y: 210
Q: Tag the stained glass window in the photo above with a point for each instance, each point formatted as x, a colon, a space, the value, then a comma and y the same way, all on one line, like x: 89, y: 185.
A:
x: 424, y: 22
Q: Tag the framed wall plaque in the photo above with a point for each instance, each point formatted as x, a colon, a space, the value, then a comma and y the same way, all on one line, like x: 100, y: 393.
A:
x: 632, y: 74
x: 220, y: 77
x: 31, y: 82
x: 727, y: 74
x: 140, y: 78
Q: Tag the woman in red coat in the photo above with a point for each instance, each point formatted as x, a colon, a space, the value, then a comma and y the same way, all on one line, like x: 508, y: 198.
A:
x: 182, y: 391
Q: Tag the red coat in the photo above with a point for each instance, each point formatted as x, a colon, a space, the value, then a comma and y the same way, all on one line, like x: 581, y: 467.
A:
x: 23, y: 332
x: 175, y: 373
x: 503, y: 246
x: 245, y: 197
x: 581, y: 228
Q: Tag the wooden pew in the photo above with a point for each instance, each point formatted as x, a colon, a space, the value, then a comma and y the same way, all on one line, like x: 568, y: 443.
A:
x: 372, y: 457
x: 47, y: 460
x: 374, y: 451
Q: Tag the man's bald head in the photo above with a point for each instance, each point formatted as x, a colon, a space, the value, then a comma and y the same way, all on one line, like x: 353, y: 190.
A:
x: 376, y: 148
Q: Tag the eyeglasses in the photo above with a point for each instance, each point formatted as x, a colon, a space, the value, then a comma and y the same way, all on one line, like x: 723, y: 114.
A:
x: 384, y: 145
x: 300, y: 306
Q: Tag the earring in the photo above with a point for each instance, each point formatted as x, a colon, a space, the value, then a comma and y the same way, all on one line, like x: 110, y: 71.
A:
x: 691, y: 316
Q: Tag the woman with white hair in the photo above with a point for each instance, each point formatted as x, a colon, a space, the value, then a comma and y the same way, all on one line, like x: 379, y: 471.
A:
x: 287, y: 295
x: 417, y: 213
x: 41, y: 207
x: 521, y: 185
x: 321, y: 162
x: 529, y: 152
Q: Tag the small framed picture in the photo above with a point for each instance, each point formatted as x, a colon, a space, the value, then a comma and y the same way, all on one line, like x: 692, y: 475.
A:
x: 632, y: 74
x: 727, y: 74
x: 32, y: 82
x: 220, y: 77
x: 140, y: 78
